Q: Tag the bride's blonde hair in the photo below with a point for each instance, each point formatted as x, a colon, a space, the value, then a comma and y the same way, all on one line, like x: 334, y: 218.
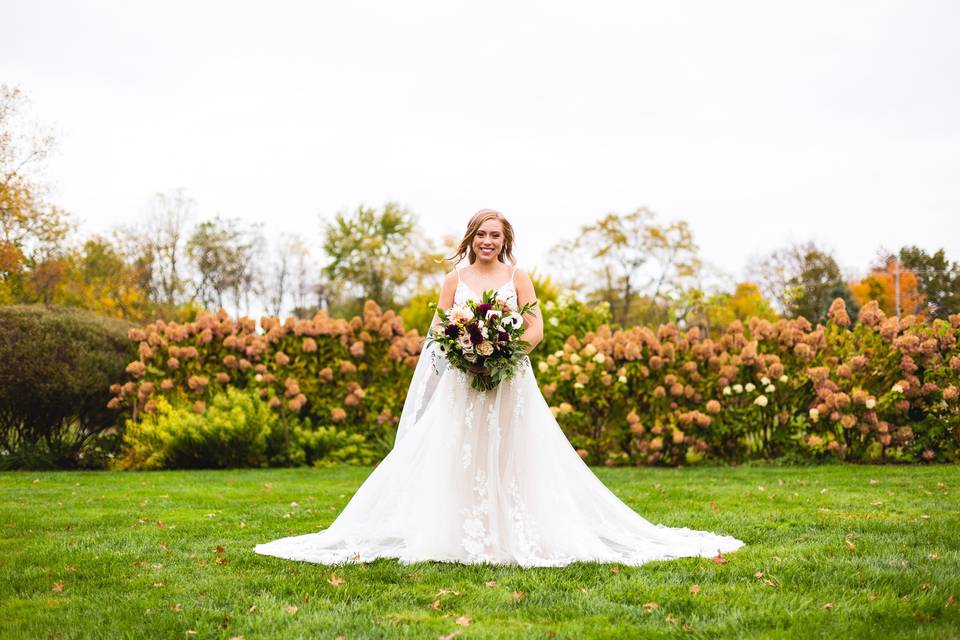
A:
x: 466, y: 244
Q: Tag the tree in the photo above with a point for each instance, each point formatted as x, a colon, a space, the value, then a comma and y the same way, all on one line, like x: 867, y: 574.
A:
x: 32, y: 231
x: 802, y: 280
x: 938, y: 279
x: 629, y: 261
x: 221, y: 253
x: 377, y: 255
x: 167, y: 231
x: 881, y: 285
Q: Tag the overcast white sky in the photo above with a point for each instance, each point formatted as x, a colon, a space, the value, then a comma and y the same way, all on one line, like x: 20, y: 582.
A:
x: 759, y: 123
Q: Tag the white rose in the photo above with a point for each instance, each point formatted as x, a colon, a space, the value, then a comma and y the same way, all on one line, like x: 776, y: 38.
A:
x: 622, y: 379
x: 485, y: 348
x: 558, y: 353
x: 764, y: 380
x: 871, y: 403
x: 749, y: 386
x: 783, y: 378
x: 896, y: 388
x: 589, y: 350
x: 599, y: 358
x: 814, y: 414
x: 543, y: 366
x: 727, y: 390
x: 738, y: 388
x: 554, y: 321
x: 578, y: 385
x: 761, y: 401
x: 770, y: 388
x: 574, y: 358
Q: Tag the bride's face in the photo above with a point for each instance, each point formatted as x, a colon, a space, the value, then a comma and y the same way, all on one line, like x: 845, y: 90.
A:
x: 488, y: 242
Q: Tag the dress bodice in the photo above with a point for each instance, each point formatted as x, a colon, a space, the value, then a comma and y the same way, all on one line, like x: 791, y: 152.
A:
x: 506, y: 292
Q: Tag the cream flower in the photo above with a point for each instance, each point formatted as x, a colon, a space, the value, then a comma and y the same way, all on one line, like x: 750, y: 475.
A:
x: 485, y: 348
x: 761, y: 400
x: 770, y: 388
x: 460, y: 313
x: 738, y: 388
x: 749, y: 386
x: 599, y: 358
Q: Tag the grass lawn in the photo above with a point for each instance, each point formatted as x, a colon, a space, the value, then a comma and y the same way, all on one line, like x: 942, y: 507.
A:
x: 832, y: 551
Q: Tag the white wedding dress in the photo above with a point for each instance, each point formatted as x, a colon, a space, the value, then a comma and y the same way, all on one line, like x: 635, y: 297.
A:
x: 487, y: 477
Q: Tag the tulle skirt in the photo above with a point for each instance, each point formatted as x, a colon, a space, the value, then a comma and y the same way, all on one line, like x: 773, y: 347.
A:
x: 490, y: 477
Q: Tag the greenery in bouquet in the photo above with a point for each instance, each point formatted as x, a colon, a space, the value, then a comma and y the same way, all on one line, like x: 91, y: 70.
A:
x: 483, y: 338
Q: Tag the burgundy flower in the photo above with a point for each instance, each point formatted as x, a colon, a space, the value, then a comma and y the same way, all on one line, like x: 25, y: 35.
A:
x: 503, y: 336
x: 482, y: 309
x: 476, y: 337
x: 452, y: 330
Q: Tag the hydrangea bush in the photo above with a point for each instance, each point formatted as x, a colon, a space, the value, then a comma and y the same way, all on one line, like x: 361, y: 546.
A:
x: 880, y: 389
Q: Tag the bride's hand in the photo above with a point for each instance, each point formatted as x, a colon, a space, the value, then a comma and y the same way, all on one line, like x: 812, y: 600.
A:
x: 480, y: 371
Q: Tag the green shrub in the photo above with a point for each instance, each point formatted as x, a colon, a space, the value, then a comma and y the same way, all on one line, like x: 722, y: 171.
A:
x: 233, y: 432
x: 57, y: 367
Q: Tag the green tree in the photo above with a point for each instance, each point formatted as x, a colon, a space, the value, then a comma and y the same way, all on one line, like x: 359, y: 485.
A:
x: 802, y: 280
x: 378, y: 255
x: 938, y: 279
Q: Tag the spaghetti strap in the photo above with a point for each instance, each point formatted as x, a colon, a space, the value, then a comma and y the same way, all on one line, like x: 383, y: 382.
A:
x: 513, y: 273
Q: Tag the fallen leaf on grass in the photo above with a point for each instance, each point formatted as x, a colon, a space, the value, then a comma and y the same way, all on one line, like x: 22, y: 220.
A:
x: 490, y: 584
x: 252, y: 608
x: 872, y: 481
x: 694, y: 589
x: 518, y: 596
x: 950, y: 602
x: 335, y: 580
x: 719, y: 559
x: 463, y: 621
x: 650, y: 606
x: 219, y: 549
x: 828, y: 605
x: 716, y: 509
x: 851, y: 545
x: 872, y: 596
x: 436, y: 605
x: 449, y: 637
x: 158, y: 585
x: 291, y: 609
x: 444, y: 592
x: 222, y: 560
x: 672, y: 619
x: 58, y: 586
x: 71, y: 568
x: 615, y: 569
x: 178, y: 607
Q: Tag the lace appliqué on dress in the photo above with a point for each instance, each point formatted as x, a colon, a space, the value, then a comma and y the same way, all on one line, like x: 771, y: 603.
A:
x: 476, y: 536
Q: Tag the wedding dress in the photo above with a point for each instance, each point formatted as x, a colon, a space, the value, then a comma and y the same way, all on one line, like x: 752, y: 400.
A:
x: 487, y: 477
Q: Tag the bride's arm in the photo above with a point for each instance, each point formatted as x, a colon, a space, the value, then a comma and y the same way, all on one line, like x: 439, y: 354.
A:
x: 446, y: 297
x: 533, y: 319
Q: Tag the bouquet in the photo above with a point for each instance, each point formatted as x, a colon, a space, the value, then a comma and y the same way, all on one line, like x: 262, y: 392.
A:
x: 482, y: 338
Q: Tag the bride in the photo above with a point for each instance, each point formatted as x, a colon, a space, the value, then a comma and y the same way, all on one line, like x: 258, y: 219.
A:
x: 488, y: 477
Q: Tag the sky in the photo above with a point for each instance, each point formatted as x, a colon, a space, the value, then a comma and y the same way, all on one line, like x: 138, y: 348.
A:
x: 759, y: 123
